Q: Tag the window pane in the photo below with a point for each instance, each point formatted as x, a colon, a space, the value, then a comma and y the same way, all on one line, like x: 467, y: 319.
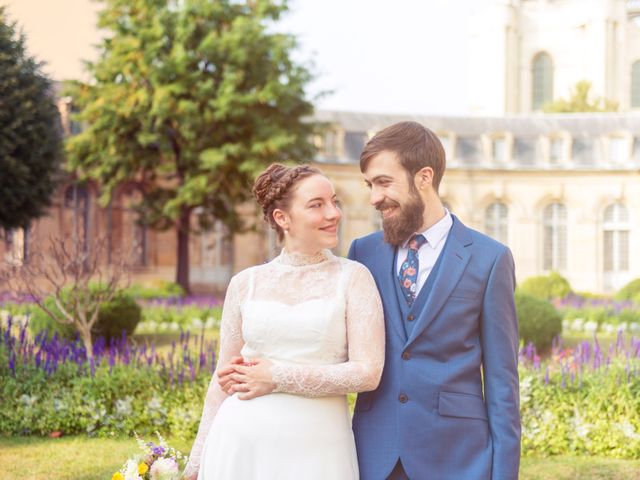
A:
x: 635, y: 85
x: 496, y: 222
x: 555, y: 150
x: 555, y: 237
x: 618, y: 150
x: 500, y: 150
x: 608, y: 251
x: 353, y: 144
x: 542, y: 81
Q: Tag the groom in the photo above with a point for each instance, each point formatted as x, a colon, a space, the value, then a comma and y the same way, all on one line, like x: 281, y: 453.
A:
x: 447, y: 406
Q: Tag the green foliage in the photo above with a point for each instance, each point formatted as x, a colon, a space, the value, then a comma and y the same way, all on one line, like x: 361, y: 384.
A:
x: 157, y: 289
x: 581, y: 101
x: 538, y: 321
x: 161, y: 318
x: 546, y: 287
x: 631, y: 291
x: 30, y: 134
x: 580, y: 412
x: 121, y: 313
x: 189, y: 101
x: 128, y: 400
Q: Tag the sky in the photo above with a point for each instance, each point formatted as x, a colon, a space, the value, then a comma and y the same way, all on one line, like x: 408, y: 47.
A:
x: 381, y: 56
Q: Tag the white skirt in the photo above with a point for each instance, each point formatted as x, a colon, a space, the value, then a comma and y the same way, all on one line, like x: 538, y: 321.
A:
x: 280, y: 436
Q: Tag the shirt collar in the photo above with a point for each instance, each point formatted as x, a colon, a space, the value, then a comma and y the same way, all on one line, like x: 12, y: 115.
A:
x: 436, y: 232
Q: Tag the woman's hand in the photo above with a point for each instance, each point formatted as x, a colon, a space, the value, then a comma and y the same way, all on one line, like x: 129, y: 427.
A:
x: 224, y: 374
x: 250, y: 379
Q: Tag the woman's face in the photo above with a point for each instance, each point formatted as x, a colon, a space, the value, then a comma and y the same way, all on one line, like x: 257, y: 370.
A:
x: 311, y: 222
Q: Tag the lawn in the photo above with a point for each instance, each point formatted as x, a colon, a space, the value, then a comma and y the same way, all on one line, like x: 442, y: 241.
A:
x: 80, y: 458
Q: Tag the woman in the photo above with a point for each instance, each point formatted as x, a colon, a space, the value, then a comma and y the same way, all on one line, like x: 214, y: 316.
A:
x: 309, y: 328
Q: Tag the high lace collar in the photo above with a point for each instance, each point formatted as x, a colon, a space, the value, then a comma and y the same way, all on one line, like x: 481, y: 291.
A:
x: 298, y: 259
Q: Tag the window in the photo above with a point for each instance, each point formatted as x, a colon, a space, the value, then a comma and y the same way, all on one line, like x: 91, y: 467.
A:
x: 354, y: 144
x: 542, y: 81
x: 618, y: 150
x: 499, y: 150
x: 76, y: 206
x: 555, y: 237
x: 496, y: 221
x: 635, y: 85
x: 556, y: 151
x: 447, y: 139
x: 636, y: 150
x: 616, y: 238
x: 16, y: 246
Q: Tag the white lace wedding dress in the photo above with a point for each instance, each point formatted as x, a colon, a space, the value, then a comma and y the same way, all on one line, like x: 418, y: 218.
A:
x: 319, y: 320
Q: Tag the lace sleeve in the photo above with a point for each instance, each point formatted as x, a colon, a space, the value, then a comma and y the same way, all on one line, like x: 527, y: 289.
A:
x: 365, y: 334
x: 231, y: 343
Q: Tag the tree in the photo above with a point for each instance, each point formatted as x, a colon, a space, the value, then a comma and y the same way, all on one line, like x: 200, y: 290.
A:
x: 581, y: 101
x: 30, y: 134
x: 191, y: 99
x: 74, y: 278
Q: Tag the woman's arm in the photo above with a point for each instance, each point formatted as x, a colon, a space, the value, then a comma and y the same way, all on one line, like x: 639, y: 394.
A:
x: 231, y: 343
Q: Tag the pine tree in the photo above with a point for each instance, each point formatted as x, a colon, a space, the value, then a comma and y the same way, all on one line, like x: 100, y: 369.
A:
x: 30, y: 134
x: 191, y: 99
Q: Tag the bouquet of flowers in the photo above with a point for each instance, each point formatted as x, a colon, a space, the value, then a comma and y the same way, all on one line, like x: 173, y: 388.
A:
x: 157, y: 461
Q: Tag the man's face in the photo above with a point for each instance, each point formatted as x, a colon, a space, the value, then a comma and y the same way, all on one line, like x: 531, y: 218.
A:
x: 394, y: 197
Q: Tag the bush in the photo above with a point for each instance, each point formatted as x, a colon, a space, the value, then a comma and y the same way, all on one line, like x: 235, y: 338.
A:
x: 546, y: 287
x: 631, y: 291
x: 539, y: 321
x: 121, y: 313
x: 156, y: 289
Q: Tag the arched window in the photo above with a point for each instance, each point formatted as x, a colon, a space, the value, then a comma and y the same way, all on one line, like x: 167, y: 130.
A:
x: 542, y: 80
x: 615, y: 228
x: 635, y: 85
x: 555, y: 237
x: 496, y: 221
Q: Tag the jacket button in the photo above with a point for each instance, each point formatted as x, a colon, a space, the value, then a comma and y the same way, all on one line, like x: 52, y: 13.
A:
x: 406, y: 355
x: 403, y: 398
x: 410, y: 317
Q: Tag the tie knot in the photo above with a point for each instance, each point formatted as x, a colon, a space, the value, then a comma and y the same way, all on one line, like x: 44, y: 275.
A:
x: 416, y: 241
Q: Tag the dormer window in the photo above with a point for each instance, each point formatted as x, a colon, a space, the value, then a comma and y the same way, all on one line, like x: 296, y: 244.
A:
x: 619, y: 149
x: 558, y: 149
x: 448, y: 141
x: 498, y: 148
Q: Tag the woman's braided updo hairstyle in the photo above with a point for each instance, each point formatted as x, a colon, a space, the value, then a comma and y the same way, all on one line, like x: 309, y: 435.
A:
x: 273, y: 189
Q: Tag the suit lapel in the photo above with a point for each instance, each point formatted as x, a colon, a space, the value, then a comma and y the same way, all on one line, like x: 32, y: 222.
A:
x: 455, y: 257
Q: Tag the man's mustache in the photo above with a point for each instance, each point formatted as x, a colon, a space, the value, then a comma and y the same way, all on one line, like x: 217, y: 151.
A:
x: 386, y: 204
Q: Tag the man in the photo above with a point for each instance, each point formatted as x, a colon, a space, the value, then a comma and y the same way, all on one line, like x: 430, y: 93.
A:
x: 447, y: 406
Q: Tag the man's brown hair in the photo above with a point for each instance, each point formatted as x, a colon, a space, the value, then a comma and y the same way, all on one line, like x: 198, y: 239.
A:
x: 416, y: 146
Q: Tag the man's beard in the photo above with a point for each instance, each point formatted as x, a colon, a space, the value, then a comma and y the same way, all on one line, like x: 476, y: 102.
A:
x: 403, y: 224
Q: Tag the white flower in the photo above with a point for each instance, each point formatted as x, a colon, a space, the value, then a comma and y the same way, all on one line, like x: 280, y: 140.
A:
x: 566, y: 325
x: 164, y: 469
x: 131, y: 470
x: 634, y: 327
x: 577, y: 324
x: 590, y: 326
x: 628, y: 430
x: 196, y: 323
x: 174, y: 326
x: 608, y: 328
x: 211, y: 322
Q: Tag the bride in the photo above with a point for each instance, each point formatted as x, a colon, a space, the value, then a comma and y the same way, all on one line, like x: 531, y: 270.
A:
x: 297, y: 334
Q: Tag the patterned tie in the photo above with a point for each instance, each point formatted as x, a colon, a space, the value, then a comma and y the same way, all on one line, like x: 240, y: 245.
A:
x: 408, y: 275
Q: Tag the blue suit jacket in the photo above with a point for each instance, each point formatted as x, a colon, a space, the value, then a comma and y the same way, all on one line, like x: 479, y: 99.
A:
x: 448, y: 401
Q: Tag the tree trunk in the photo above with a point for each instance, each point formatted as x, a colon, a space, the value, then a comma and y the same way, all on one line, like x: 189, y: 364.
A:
x: 85, y: 335
x: 182, y: 271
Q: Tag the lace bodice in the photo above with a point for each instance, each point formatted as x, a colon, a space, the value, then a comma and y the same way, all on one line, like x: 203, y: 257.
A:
x: 317, y: 318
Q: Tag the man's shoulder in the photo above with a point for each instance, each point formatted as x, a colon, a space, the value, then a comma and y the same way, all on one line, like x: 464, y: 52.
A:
x: 478, y: 239
x: 374, y: 238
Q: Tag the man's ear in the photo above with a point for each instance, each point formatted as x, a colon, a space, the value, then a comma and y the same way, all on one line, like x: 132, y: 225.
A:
x: 281, y: 218
x: 423, y: 178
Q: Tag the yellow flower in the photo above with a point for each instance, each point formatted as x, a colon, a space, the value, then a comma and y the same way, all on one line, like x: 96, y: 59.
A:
x: 142, y: 468
x: 117, y: 476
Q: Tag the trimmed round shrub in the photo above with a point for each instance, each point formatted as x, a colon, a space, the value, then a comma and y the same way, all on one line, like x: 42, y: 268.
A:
x: 546, y: 287
x: 121, y: 313
x: 539, y: 321
x: 631, y: 291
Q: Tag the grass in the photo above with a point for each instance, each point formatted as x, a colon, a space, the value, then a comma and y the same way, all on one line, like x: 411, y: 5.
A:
x: 81, y: 458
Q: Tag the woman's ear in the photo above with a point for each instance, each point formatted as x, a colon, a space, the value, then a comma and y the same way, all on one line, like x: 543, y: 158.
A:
x: 281, y: 218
